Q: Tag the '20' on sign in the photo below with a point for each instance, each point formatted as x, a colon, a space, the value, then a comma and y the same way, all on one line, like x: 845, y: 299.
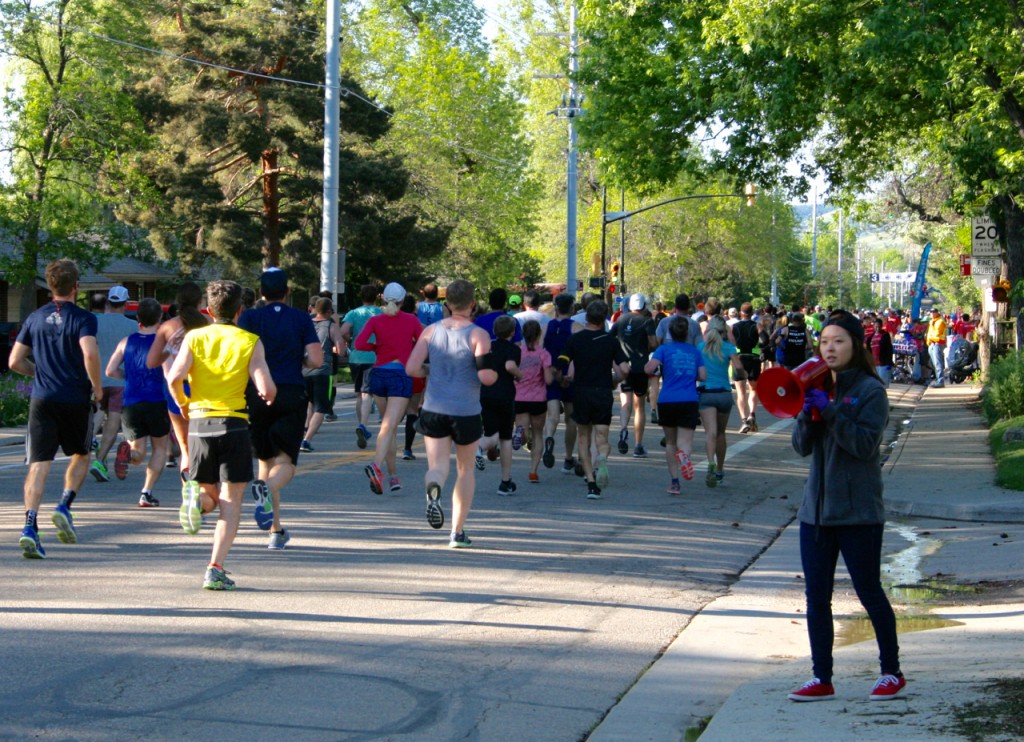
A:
x: 984, y: 238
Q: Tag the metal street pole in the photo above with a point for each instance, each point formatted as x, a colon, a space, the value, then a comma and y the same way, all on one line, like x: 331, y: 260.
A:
x: 570, y: 258
x: 329, y: 277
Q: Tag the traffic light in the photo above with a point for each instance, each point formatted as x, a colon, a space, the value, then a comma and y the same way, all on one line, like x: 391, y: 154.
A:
x: 1001, y: 291
x: 614, y: 280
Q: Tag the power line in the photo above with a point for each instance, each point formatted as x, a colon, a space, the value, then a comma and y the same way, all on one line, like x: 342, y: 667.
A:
x: 347, y: 92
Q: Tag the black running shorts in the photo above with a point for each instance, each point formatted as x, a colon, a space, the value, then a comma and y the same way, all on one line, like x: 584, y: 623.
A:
x: 592, y: 405
x: 464, y: 431
x: 277, y: 428
x: 219, y: 450
x: 53, y: 425
x: 145, y: 419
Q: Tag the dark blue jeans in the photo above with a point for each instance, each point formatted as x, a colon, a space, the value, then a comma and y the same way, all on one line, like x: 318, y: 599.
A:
x: 861, y: 547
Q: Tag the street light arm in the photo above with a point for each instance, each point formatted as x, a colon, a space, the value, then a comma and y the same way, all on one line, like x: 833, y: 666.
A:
x: 617, y: 216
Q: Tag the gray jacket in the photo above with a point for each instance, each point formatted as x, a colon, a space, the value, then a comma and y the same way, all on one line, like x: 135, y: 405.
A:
x: 844, y: 485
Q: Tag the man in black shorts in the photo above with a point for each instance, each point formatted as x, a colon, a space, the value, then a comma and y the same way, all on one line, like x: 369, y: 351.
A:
x: 62, y: 340
x: 594, y: 353
x: 636, y: 333
x: 746, y: 333
x: 289, y: 341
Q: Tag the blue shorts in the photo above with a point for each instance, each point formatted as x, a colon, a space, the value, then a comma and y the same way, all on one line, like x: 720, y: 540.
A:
x: 172, y: 406
x: 390, y: 382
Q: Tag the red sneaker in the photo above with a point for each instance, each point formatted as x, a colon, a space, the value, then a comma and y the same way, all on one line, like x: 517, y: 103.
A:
x: 813, y: 690
x: 122, y: 459
x: 685, y: 465
x: 376, y: 477
x: 534, y: 479
x: 888, y: 686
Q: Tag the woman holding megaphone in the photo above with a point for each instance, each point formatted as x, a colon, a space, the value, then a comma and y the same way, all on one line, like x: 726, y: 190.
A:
x: 842, y: 510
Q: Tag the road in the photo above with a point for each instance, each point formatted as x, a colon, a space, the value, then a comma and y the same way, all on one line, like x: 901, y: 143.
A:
x: 368, y: 626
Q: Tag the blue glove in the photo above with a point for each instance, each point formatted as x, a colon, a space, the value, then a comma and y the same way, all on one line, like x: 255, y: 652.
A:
x: 815, y: 399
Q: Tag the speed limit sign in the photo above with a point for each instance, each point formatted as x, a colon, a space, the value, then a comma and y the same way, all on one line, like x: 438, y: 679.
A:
x: 984, y: 238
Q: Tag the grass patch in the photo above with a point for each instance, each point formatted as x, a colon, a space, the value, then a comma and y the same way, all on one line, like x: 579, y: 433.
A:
x: 999, y: 717
x: 1009, y: 456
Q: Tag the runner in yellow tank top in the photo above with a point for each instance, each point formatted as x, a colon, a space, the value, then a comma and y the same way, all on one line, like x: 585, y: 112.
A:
x: 218, y: 361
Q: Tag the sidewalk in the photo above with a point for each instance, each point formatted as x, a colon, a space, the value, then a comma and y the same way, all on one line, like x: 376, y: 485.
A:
x: 743, y: 653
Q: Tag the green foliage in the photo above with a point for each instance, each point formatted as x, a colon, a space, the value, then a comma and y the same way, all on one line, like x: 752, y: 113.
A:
x: 1004, y: 394
x: 1009, y: 456
x: 15, y: 393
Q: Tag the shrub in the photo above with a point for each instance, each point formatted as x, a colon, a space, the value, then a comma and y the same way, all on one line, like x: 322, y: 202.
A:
x: 15, y: 391
x: 1004, y: 396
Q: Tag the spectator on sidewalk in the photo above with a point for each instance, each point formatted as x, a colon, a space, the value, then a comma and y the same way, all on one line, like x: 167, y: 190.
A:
x: 61, y: 337
x: 842, y: 512
x: 936, y: 341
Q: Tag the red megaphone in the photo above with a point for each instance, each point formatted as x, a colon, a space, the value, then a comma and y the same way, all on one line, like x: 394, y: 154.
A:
x: 781, y: 391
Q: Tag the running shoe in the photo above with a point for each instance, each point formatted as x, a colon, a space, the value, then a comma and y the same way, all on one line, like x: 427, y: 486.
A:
x: 459, y: 541
x: 264, y: 510
x: 517, y: 438
x: 190, y: 514
x: 99, y: 471
x: 376, y: 477
x: 507, y: 488
x: 361, y: 436
x: 172, y: 462
x: 639, y: 452
x: 711, y: 480
x: 623, y: 442
x: 122, y: 459
x: 31, y: 546
x: 146, y: 500
x: 673, y: 487
x: 407, y: 455
x: 753, y: 423
x: 685, y: 465
x: 534, y: 479
x: 394, y: 485
x: 305, y: 447
x: 548, y: 457
x: 278, y: 540
x: 719, y: 476
x: 217, y: 579
x: 330, y: 417
x: 435, y: 515
x: 745, y: 427
x: 593, y: 491
x: 481, y: 460
x: 813, y: 690
x: 65, y: 525
x: 569, y: 467
x: 601, y: 472
x: 654, y: 416
x: 887, y: 687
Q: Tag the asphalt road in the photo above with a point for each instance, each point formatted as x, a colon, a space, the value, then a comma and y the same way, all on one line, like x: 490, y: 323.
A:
x: 368, y: 626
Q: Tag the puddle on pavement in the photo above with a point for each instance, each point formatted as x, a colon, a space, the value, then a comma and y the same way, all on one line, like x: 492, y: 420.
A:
x: 859, y: 629
x: 902, y: 579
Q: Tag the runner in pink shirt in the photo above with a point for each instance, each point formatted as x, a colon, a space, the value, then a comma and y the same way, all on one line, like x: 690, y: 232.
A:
x: 532, y: 392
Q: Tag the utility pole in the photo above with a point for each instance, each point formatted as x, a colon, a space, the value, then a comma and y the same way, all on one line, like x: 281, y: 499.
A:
x: 814, y: 232
x: 839, y: 261
x: 572, y: 111
x: 330, y: 279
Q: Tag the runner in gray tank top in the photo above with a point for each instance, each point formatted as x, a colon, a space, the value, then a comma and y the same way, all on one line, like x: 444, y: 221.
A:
x: 458, y: 356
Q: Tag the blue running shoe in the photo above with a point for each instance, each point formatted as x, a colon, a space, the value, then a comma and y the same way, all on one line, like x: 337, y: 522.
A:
x: 65, y: 525
x: 31, y: 548
x: 264, y: 511
x: 459, y: 541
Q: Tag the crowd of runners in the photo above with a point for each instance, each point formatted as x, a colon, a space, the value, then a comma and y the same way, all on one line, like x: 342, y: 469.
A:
x: 206, y: 387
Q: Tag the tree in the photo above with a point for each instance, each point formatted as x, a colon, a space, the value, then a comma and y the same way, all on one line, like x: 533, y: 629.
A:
x: 857, y: 80
x: 458, y: 125
x: 73, y: 130
x: 241, y: 156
